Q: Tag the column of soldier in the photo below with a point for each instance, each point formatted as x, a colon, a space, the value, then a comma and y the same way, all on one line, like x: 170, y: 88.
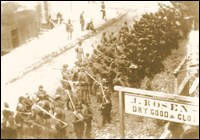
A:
x: 123, y: 60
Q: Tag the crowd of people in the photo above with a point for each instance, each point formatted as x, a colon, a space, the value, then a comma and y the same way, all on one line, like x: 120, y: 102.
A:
x: 122, y: 58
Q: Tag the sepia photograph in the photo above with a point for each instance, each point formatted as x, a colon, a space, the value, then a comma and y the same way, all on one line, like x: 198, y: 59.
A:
x: 99, y: 69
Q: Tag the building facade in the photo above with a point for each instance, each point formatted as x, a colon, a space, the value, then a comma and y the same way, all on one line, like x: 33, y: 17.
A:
x: 18, y: 24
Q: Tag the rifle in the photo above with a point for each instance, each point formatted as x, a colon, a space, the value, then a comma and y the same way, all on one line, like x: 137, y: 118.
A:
x: 27, y: 113
x: 103, y: 92
x: 50, y: 114
x: 70, y: 82
x: 102, y: 53
x: 33, y: 123
x: 57, y: 69
x: 99, y: 84
x: 73, y: 106
x: 47, y: 95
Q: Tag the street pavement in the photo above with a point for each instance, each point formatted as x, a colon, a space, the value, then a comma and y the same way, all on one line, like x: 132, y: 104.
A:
x: 22, y: 58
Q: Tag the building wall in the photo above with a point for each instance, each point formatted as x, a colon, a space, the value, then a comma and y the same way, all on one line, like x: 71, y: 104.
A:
x: 17, y: 27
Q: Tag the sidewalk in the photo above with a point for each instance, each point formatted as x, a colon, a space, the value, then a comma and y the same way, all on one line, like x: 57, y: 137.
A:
x: 41, y: 49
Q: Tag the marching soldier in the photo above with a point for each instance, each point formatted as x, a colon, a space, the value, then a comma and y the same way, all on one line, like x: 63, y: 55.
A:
x: 78, y: 122
x: 59, y: 105
x: 104, y: 38
x: 8, y: 125
x: 66, y: 74
x: 21, y: 116
x: 98, y: 93
x: 79, y: 51
x: 88, y: 117
x: 41, y: 94
x: 7, y: 113
x: 105, y: 108
x: 61, y: 129
x: 83, y: 83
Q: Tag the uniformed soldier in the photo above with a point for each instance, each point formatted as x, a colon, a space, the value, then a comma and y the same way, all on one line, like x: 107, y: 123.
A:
x: 22, y: 116
x: 41, y: 94
x: 8, y: 126
x: 83, y: 83
x: 50, y: 22
x: 103, y: 10
x: 79, y: 52
x: 105, y: 108
x: 88, y: 117
x: 78, y: 122
x: 65, y: 72
x: 7, y: 113
x: 28, y: 101
x: 59, y: 106
x: 176, y: 130
x: 125, y: 27
x: 59, y: 18
x: 82, y: 21
x: 69, y: 29
x: 90, y: 26
x: 104, y: 38
x: 98, y: 93
x: 60, y: 128
x: 67, y: 75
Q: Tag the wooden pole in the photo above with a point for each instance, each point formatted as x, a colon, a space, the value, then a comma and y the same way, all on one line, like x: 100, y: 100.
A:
x: 71, y: 100
x: 101, y: 86
x: 121, y: 111
x: 50, y: 114
x: 176, y: 84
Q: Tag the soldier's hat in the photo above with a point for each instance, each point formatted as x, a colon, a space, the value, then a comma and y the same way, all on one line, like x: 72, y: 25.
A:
x: 65, y: 65
x: 80, y: 43
x: 145, y: 48
x: 79, y: 107
x: 99, y: 46
x: 6, y: 105
x: 76, y: 63
x: 90, y: 63
x: 82, y: 67
x: 21, y: 98
x: 87, y: 54
x: 104, y: 80
x: 27, y: 95
x: 57, y: 97
x: 95, y: 51
x: 40, y: 86
x: 133, y: 66
x: 112, y: 64
x: 123, y: 56
x: 20, y: 106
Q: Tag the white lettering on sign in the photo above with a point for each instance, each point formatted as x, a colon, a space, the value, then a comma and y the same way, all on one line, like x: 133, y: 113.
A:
x: 165, y: 110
